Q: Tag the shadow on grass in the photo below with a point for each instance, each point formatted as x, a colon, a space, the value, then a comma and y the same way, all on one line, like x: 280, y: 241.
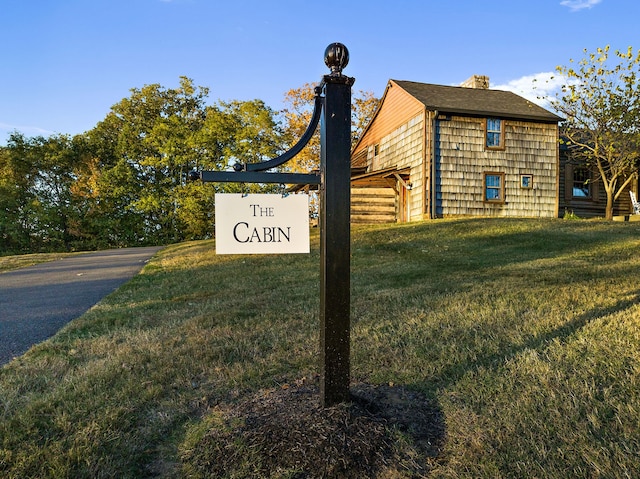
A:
x: 454, y: 373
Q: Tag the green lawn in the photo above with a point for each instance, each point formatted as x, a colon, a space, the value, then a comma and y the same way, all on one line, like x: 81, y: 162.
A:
x: 525, y: 333
x: 8, y: 263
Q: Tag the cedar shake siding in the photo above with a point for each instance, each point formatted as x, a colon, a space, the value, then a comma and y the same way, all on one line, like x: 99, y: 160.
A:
x: 462, y: 160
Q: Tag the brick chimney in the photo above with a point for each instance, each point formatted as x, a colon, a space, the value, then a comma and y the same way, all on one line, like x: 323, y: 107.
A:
x: 476, y: 81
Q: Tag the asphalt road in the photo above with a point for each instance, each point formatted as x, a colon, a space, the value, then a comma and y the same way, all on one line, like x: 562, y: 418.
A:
x: 35, y: 302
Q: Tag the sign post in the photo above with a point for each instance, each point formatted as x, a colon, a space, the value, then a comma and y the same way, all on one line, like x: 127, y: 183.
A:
x: 335, y: 234
x: 332, y: 110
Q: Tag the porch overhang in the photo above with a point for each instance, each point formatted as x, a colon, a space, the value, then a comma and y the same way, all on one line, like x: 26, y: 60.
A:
x: 385, y: 178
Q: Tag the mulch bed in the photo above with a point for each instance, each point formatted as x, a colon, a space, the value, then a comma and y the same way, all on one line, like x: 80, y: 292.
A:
x: 384, y: 432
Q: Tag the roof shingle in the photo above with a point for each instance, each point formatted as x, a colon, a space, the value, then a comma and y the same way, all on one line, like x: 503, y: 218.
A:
x: 474, y: 101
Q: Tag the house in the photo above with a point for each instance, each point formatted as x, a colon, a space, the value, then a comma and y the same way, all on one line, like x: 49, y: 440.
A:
x: 434, y: 151
x: 582, y: 191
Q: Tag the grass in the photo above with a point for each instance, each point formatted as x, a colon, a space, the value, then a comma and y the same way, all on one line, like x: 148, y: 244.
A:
x: 8, y: 263
x: 525, y: 333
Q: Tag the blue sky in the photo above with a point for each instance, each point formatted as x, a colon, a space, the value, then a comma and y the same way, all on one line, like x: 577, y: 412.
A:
x: 64, y: 63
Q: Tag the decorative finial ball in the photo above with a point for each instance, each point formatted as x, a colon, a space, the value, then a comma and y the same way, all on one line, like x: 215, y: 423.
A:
x: 336, y: 57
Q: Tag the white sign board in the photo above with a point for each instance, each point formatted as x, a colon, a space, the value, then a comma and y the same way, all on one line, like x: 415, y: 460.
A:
x: 262, y: 223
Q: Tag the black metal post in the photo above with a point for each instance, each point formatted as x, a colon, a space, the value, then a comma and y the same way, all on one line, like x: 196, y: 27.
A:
x: 335, y: 230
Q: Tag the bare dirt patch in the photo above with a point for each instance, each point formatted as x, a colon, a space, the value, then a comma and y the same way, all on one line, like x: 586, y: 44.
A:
x: 384, y: 432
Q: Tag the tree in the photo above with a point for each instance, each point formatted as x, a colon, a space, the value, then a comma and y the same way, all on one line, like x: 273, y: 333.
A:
x: 17, y: 200
x: 297, y: 117
x: 57, y: 163
x: 37, y: 210
x: 152, y: 139
x: 241, y: 131
x: 364, y: 107
x: 124, y: 182
x: 601, y: 104
x: 106, y: 186
x: 299, y: 108
x: 154, y: 133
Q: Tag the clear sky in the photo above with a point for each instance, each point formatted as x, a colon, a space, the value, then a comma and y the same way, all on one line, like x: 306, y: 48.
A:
x: 64, y: 63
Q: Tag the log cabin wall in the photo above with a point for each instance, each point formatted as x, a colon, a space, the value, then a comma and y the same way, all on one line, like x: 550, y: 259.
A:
x: 403, y: 148
x: 371, y: 205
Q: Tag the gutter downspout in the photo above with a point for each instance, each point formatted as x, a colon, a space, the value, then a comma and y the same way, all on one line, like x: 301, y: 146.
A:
x: 557, y: 205
x: 432, y: 184
x: 426, y: 158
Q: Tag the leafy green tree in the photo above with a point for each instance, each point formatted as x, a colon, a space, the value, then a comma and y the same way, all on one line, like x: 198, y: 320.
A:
x: 151, y: 140
x: 152, y: 133
x: 36, y: 176
x: 252, y: 133
x: 57, y: 165
x: 125, y: 181
x: 17, y: 200
x: 601, y: 104
x: 110, y: 183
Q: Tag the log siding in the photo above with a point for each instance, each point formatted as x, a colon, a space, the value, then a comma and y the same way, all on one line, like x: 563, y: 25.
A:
x: 594, y: 206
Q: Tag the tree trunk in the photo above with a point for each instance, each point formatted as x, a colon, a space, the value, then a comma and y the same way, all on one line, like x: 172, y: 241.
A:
x: 608, y: 212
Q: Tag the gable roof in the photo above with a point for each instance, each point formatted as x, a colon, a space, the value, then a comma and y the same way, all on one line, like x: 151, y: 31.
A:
x: 476, y: 101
